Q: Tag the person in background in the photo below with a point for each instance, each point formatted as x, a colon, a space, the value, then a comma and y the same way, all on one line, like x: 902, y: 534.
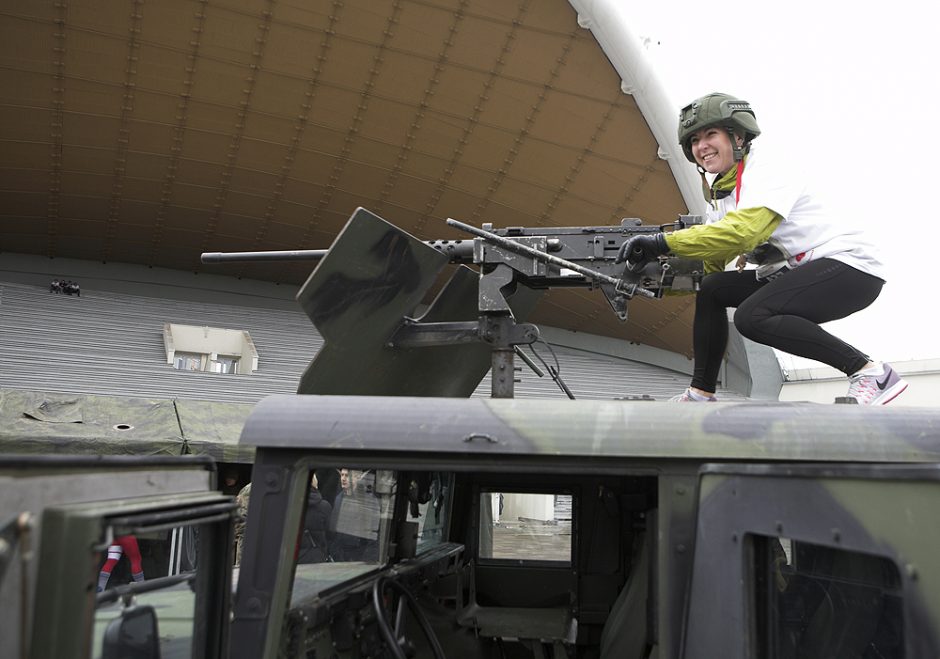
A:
x: 314, y: 547
x: 812, y: 265
x: 328, y: 483
x: 125, y: 544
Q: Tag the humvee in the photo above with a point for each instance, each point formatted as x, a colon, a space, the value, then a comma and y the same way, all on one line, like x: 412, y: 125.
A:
x: 394, y: 527
x: 433, y: 524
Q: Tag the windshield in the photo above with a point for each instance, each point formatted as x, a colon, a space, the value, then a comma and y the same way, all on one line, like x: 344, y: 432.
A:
x: 347, y: 522
x: 344, y: 528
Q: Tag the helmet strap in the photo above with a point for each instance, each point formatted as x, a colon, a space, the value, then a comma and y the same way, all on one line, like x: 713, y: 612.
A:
x: 738, y: 152
x: 706, y: 188
x: 712, y: 194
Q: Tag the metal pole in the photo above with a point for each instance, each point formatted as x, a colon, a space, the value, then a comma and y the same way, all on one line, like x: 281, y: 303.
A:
x: 503, y: 373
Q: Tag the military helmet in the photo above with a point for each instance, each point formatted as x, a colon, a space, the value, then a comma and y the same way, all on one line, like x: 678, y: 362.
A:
x: 717, y: 110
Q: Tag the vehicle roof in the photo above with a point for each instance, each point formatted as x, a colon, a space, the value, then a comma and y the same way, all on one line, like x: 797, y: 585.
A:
x: 486, y: 427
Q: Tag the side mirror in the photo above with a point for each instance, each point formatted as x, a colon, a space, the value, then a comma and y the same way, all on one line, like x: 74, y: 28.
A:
x: 133, y: 635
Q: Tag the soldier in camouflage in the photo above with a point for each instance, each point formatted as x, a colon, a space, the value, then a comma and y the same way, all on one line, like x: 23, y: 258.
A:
x: 241, y: 521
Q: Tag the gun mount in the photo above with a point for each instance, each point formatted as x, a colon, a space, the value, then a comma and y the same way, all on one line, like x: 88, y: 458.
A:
x: 369, y: 283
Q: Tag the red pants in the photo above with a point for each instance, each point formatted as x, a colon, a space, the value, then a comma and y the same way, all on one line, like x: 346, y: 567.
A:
x: 123, y: 544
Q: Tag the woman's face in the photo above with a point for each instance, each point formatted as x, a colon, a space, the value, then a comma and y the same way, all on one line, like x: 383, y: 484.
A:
x: 711, y: 148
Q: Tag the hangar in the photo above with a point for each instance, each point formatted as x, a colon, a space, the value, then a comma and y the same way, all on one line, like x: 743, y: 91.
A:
x: 138, y: 135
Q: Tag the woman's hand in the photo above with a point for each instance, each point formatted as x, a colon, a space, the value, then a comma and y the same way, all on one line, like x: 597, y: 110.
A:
x: 640, y: 250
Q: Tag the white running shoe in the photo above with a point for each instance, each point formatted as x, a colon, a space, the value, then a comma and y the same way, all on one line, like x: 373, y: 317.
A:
x: 876, y: 387
x: 689, y: 396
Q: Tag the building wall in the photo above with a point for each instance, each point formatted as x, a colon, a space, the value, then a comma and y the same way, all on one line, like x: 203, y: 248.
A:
x: 111, y: 343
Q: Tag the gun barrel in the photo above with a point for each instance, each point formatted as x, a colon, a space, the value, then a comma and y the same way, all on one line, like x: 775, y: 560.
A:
x: 458, y: 251
x: 285, y: 255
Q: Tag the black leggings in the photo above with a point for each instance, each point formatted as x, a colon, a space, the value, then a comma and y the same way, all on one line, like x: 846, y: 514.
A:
x: 784, y: 313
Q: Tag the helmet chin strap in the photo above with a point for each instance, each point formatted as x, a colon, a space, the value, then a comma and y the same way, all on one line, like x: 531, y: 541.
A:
x: 711, y: 194
x: 737, y: 152
x: 706, y: 188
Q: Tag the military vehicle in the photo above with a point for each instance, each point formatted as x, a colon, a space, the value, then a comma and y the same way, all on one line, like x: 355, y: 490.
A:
x: 429, y: 524
x: 527, y: 528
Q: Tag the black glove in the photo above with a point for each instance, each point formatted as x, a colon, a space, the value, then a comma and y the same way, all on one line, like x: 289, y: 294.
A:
x: 640, y: 250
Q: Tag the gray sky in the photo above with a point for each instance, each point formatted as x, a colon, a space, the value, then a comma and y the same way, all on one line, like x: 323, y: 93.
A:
x: 855, y: 89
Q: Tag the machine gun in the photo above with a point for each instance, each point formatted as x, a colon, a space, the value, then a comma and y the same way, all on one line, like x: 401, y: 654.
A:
x: 377, y: 272
x: 543, y: 258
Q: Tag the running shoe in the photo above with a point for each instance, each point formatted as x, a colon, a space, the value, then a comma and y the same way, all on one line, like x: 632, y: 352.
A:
x: 688, y: 396
x: 876, y: 386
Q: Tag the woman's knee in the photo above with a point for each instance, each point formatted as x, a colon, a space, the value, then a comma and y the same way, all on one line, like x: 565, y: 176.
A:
x: 709, y: 286
x: 726, y: 289
x: 748, y: 320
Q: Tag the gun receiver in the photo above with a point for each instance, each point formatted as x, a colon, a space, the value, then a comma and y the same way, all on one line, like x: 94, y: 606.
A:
x: 583, y: 257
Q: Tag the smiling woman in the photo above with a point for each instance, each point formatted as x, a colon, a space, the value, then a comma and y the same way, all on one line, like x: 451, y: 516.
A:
x: 810, y: 269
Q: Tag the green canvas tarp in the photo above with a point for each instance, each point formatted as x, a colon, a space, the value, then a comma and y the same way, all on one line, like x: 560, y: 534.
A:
x: 213, y: 429
x: 35, y: 422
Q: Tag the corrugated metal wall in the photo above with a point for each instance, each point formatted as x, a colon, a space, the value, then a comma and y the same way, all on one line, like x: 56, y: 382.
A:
x: 106, y: 343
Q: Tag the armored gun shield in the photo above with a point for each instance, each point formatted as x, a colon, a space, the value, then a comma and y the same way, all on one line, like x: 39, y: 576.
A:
x: 364, y: 290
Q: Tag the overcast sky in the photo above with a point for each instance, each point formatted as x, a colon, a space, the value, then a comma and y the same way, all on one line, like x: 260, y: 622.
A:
x: 854, y: 89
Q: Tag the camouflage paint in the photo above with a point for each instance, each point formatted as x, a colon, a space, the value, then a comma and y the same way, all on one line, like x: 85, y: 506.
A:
x: 597, y: 429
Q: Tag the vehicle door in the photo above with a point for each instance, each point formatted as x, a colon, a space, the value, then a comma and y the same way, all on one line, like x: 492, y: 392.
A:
x: 146, y: 577
x: 820, y: 560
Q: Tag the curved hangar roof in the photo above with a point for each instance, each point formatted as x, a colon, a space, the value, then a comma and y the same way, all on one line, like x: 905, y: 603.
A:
x: 151, y: 132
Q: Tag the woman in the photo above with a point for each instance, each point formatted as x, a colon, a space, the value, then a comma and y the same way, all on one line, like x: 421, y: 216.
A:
x: 811, y: 269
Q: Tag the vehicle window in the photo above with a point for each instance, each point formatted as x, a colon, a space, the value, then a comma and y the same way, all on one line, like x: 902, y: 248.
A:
x: 148, y: 585
x: 816, y: 601
x: 345, y: 527
x: 525, y: 526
